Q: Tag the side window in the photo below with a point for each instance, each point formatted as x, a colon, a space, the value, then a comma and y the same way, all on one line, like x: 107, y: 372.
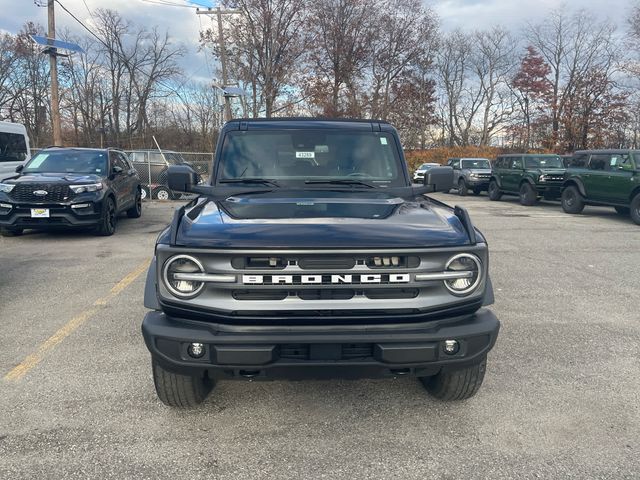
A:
x: 456, y: 164
x: 579, y: 161
x: 138, y: 157
x: 620, y: 161
x: 599, y: 162
x: 498, y: 163
x: 13, y: 147
x: 156, y: 157
x: 125, y: 162
x: 516, y: 163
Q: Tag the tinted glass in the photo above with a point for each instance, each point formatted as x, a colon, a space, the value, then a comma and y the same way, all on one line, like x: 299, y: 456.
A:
x: 13, y: 147
x: 515, y: 163
x: 476, y: 163
x: 599, y: 162
x: 68, y: 161
x: 579, y: 160
x: 311, y: 154
x: 621, y: 161
x: 544, y: 162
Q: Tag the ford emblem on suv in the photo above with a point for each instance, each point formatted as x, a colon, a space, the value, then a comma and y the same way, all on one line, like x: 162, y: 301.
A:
x: 40, y: 193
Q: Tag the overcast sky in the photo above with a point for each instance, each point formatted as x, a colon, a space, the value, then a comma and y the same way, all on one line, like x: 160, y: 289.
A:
x: 183, y: 24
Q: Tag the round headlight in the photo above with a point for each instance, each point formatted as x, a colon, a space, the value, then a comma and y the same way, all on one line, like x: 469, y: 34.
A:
x: 469, y: 265
x: 176, y: 272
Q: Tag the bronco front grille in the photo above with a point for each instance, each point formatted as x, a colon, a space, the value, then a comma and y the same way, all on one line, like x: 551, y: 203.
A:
x: 47, y: 193
x: 317, y: 282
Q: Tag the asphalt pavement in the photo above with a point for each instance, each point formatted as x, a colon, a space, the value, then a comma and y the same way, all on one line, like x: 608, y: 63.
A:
x: 561, y: 398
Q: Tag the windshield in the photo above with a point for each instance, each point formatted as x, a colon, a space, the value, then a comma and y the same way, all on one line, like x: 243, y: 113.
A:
x: 543, y: 162
x: 476, y: 163
x: 68, y: 161
x: 314, y: 156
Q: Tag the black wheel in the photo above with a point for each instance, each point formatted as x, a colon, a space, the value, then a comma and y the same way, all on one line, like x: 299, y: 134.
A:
x: 11, y: 232
x: 528, y: 195
x: 462, y: 187
x: 635, y: 209
x: 572, y: 201
x: 180, y: 391
x: 136, y: 210
x: 457, y: 384
x: 144, y: 193
x: 162, y: 193
x: 494, y: 191
x: 623, y: 210
x: 109, y: 219
x: 477, y: 191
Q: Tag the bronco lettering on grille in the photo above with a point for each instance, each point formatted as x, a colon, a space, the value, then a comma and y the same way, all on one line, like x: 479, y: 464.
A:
x: 325, y: 279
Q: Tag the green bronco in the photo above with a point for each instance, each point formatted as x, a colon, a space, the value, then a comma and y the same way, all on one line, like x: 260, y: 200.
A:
x: 603, y: 177
x: 530, y: 176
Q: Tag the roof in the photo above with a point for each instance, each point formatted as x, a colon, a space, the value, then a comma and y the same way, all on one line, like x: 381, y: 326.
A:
x: 308, y: 122
x: 610, y: 150
x: 528, y: 155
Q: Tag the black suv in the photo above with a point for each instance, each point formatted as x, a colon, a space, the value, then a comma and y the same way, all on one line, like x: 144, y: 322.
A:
x: 70, y: 187
x: 603, y: 177
x: 530, y: 176
x: 309, y: 253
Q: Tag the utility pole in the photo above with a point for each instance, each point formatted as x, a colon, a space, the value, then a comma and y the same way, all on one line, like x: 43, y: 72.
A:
x: 53, y: 68
x: 223, y: 53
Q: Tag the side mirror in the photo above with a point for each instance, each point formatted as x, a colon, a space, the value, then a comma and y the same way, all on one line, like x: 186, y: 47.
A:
x: 117, y: 170
x: 439, y: 179
x: 19, y: 168
x: 181, y: 178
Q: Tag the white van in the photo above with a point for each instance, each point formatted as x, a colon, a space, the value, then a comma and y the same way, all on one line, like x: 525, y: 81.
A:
x: 14, y: 148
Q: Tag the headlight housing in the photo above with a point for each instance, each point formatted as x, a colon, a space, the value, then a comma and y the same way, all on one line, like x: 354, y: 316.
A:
x: 474, y: 175
x: 542, y: 178
x: 6, y: 187
x: 91, y: 187
x: 464, y: 262
x: 181, y: 287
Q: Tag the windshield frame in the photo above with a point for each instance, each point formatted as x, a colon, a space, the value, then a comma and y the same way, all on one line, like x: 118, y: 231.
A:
x: 103, y: 171
x: 401, y: 179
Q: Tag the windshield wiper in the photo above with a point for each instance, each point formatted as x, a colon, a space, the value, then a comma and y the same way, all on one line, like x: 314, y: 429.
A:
x: 248, y: 181
x: 339, y: 182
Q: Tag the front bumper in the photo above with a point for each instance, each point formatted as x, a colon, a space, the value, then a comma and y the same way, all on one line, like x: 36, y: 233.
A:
x: 318, y: 351
x: 482, y: 183
x: 61, y: 215
x: 549, y: 190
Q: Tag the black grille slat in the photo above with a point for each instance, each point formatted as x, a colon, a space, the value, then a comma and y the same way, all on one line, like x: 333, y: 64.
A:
x: 348, y: 351
x: 55, y: 193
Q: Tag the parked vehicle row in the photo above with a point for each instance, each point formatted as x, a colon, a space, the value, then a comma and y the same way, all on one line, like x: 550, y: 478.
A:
x: 588, y: 177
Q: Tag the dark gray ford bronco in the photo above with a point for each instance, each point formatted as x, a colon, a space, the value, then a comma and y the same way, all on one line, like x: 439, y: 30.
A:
x: 310, y: 254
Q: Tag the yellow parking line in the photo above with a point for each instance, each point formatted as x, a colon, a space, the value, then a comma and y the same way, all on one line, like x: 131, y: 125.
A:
x: 72, y: 325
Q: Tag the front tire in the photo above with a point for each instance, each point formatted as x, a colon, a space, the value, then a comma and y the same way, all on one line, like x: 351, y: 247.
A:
x: 494, y: 191
x: 462, y: 187
x: 528, y: 195
x: 572, y: 201
x: 456, y: 384
x: 136, y: 210
x: 11, y: 232
x: 180, y: 391
x: 635, y: 209
x: 109, y: 218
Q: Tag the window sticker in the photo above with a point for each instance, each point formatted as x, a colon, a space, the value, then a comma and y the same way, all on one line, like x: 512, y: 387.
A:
x: 383, y: 140
x: 305, y: 155
x: 38, y: 160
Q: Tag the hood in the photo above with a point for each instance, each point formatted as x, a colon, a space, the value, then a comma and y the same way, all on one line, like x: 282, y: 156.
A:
x: 551, y: 171
x: 320, y: 220
x: 63, y: 178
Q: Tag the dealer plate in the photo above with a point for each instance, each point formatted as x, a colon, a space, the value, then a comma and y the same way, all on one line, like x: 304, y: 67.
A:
x: 39, y: 213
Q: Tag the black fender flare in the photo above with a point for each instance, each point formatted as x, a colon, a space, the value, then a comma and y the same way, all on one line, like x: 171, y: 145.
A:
x: 577, y: 182
x: 150, y: 288
x: 488, y: 298
x: 530, y: 181
x: 497, y: 180
x: 634, y: 192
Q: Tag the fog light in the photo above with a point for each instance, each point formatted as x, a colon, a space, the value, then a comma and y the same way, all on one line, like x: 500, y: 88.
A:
x: 5, y: 205
x: 196, y: 350
x: 81, y: 205
x: 451, y: 347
